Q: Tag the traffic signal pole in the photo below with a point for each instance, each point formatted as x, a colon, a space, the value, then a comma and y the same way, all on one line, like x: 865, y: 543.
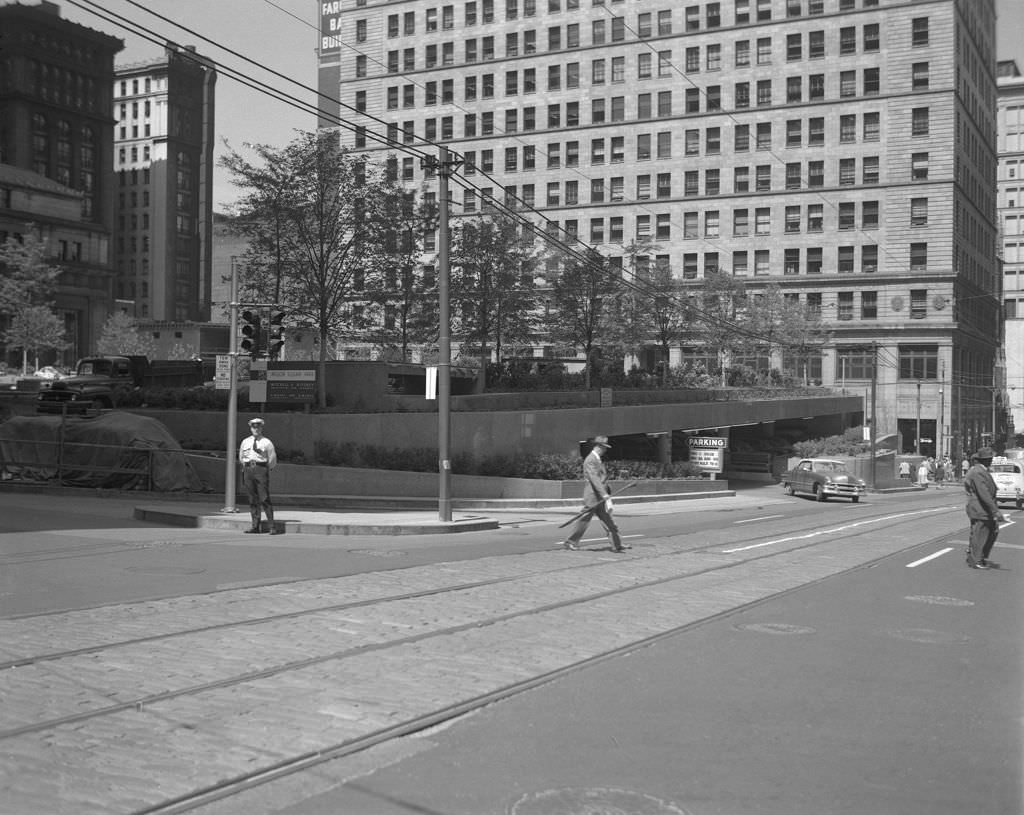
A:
x: 444, y: 500
x: 230, y: 468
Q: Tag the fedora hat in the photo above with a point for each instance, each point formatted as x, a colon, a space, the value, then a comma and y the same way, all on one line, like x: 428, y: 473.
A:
x: 602, y: 440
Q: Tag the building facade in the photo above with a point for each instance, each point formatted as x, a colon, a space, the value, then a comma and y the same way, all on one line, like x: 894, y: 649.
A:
x: 56, y: 154
x: 1011, y: 212
x: 163, y: 145
x: 843, y: 150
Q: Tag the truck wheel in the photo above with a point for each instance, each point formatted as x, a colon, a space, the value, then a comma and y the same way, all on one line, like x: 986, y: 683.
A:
x: 1020, y: 504
x: 819, y: 493
x: 789, y: 489
x: 102, y: 403
x: 855, y: 499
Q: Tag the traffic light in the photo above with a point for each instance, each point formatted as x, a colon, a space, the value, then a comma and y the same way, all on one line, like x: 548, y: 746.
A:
x: 250, y: 343
x: 275, y: 334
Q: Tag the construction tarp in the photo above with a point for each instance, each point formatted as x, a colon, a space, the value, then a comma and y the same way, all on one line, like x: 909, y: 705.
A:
x: 114, y: 450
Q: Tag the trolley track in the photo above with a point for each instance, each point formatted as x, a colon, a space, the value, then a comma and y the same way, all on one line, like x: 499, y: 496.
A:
x: 602, y: 583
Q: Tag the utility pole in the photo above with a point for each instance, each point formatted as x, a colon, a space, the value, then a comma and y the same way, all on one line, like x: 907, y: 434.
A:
x: 940, y: 432
x: 445, y: 167
x: 874, y: 406
x: 917, y: 440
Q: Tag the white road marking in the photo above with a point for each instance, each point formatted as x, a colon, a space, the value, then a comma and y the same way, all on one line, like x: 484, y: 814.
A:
x: 932, y: 556
x: 842, y: 528
x: 762, y: 518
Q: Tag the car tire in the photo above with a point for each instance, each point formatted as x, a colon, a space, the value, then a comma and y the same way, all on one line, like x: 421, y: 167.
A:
x: 789, y: 489
x: 819, y: 493
x: 855, y: 499
x: 1020, y: 505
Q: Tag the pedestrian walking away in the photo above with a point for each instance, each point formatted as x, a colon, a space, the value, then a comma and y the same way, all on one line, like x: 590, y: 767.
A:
x: 922, y: 474
x: 905, y: 470
x: 257, y: 456
x: 940, y: 472
x: 964, y: 467
x: 982, y: 510
x: 596, y: 497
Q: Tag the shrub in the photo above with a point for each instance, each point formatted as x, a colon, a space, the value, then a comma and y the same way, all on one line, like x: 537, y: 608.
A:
x: 849, y: 443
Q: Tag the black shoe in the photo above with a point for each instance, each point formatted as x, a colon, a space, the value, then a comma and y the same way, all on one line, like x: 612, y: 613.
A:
x: 276, y: 531
x: 983, y: 566
x: 254, y: 531
x: 988, y: 564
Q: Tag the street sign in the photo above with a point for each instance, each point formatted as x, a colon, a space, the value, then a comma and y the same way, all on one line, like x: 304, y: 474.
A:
x: 290, y: 385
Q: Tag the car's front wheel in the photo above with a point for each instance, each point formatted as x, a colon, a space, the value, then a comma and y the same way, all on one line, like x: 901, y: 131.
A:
x: 789, y: 489
x: 819, y: 493
x: 856, y: 499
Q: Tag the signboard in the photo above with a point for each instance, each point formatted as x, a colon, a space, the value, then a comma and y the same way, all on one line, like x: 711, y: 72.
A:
x: 222, y: 373
x: 258, y: 380
x: 288, y: 385
x: 708, y: 452
x: 330, y: 28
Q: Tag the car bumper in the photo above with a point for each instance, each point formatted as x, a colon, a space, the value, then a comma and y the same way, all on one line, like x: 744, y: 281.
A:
x: 847, y: 490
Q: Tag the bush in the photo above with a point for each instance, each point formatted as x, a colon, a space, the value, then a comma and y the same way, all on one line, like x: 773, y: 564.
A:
x: 850, y: 443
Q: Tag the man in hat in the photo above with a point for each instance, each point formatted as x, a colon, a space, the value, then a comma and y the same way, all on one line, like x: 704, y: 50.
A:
x: 596, y: 497
x: 257, y: 456
x: 982, y: 509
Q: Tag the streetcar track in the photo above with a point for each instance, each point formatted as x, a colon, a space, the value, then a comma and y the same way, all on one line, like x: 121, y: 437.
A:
x: 293, y: 765
x: 142, y: 702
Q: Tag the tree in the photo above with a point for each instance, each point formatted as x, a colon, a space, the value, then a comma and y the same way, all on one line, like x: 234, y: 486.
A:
x: 584, y: 295
x: 315, y: 215
x: 722, y: 301
x: 666, y: 315
x: 34, y: 329
x: 25, y: 276
x: 492, y: 288
x: 121, y: 335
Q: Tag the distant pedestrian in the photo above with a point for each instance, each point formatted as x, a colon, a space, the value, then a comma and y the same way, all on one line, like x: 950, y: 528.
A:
x: 596, y: 497
x: 922, y: 474
x: 940, y: 472
x: 982, y: 509
x: 257, y: 456
x: 965, y: 465
x: 905, y: 470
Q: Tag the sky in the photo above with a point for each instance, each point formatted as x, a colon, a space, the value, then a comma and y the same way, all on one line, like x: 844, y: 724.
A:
x: 281, y: 35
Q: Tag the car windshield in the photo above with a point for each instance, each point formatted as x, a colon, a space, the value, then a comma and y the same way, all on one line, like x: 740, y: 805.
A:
x: 833, y: 467
x: 95, y: 366
x: 1006, y: 468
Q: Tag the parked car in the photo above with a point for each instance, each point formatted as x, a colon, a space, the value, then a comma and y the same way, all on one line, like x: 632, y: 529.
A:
x: 822, y: 478
x: 1009, y: 477
x: 49, y: 372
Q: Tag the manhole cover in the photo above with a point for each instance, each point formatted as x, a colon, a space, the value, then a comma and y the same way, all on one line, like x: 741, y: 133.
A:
x: 377, y: 552
x: 937, y: 600
x: 163, y: 570
x: 928, y: 636
x: 775, y: 628
x: 592, y: 801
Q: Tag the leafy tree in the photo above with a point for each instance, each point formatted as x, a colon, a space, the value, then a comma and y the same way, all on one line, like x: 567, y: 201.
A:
x: 25, y: 276
x: 668, y: 318
x: 315, y: 214
x: 34, y: 329
x: 722, y: 300
x: 784, y: 324
x: 584, y: 297
x: 492, y: 290
x: 121, y: 335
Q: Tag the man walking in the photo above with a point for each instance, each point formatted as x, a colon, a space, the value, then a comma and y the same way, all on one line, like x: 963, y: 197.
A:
x: 258, y: 457
x: 982, y: 509
x: 596, y: 497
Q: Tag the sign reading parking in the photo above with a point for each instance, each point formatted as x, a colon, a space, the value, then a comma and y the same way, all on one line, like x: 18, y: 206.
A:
x: 708, y: 452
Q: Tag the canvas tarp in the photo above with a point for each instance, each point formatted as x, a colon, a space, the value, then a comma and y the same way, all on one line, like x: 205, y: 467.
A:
x: 114, y: 450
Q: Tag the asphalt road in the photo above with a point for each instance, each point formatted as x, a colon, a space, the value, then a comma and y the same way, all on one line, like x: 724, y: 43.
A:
x: 892, y: 687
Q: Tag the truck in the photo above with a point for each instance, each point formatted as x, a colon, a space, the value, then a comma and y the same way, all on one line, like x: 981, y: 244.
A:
x: 99, y: 381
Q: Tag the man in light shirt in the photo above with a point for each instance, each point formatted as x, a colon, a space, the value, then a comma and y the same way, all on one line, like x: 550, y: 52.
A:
x: 257, y: 456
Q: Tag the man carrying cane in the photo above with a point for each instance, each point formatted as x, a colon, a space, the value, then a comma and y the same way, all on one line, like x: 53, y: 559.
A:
x: 596, y: 497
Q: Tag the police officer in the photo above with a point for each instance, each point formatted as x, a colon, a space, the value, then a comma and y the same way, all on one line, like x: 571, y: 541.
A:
x: 258, y: 457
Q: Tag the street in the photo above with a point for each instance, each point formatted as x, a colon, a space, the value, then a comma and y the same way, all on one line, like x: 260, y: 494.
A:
x: 756, y: 654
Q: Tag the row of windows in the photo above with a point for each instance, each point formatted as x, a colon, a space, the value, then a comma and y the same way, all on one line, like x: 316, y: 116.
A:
x: 660, y: 104
x: 711, y: 57
x: 695, y: 18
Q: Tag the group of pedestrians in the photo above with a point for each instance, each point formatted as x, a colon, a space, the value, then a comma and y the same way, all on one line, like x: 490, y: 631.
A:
x: 932, y: 470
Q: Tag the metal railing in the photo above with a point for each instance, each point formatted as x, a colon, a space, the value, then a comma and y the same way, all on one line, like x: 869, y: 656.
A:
x: 75, y: 462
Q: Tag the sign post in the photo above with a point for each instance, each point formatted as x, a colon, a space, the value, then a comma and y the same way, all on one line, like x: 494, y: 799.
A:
x: 708, y: 453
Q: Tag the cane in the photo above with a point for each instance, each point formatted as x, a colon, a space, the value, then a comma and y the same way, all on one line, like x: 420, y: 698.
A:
x: 589, y: 511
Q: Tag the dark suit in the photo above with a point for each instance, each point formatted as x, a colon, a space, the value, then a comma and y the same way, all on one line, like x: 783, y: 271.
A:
x: 983, y: 512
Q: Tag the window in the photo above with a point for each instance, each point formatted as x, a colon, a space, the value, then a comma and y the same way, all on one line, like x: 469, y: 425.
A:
x: 597, y: 151
x: 918, y: 304
x: 872, y: 81
x: 741, y: 95
x: 762, y: 221
x: 815, y: 173
x: 714, y: 57
x: 814, y: 260
x: 794, y: 47
x: 816, y: 131
x: 740, y: 223
x: 691, y: 143
x: 847, y: 83
x: 712, y: 182
x: 792, y: 219
x: 794, y: 89
x: 643, y: 187
x: 815, y: 217
x: 816, y: 87
x: 845, y: 265
x: 816, y: 44
x: 872, y: 41
x: 763, y: 178
x: 692, y: 57
x: 360, y: 30
x: 869, y: 259
x: 764, y: 136
x: 691, y: 183
x: 848, y: 40
x: 644, y: 68
x: 643, y: 147
x: 919, y: 212
x: 919, y: 31
x: 739, y: 263
x: 871, y: 172
x: 597, y: 190
x: 791, y: 262
x: 762, y: 262
x: 711, y: 224
x: 691, y: 225
x: 919, y: 122
x: 869, y: 305
x: 918, y: 257
x: 663, y: 227
x: 844, y: 305
x: 872, y: 127
x: 615, y: 227
x: 741, y: 179
x: 919, y: 362
x: 847, y: 215
x: 690, y: 266
x: 764, y: 50
x: 742, y: 53
x: 764, y: 92
x: 856, y: 362
x: 794, y: 133
x: 919, y: 76
x: 664, y: 185
x: 597, y: 230
x: 847, y: 171
x: 869, y: 215
x: 919, y: 166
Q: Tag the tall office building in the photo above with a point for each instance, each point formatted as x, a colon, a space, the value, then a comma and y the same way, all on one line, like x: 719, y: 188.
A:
x: 56, y: 153
x: 1011, y: 212
x: 164, y: 139
x: 841, y: 149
